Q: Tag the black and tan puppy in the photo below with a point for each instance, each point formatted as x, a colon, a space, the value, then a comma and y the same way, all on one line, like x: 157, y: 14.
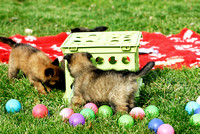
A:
x: 84, y: 29
x: 95, y: 85
x: 41, y: 71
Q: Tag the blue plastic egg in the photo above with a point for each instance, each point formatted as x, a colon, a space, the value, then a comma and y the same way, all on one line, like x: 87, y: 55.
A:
x: 197, y: 111
x: 154, y: 124
x: 191, y: 106
x: 13, y: 106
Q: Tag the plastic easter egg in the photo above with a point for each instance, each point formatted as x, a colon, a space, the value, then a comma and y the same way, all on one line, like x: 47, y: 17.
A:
x: 91, y: 106
x: 198, y: 100
x: 88, y: 113
x: 40, y: 111
x: 151, y: 111
x: 165, y: 129
x: 195, y: 120
x: 76, y: 119
x: 197, y: 111
x: 105, y: 111
x: 66, y: 113
x: 126, y: 121
x: 154, y: 124
x: 191, y: 107
x: 137, y: 113
x: 13, y: 106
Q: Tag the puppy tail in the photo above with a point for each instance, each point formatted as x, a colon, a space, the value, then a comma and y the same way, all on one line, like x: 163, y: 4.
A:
x: 145, y: 69
x: 8, y: 41
x: 83, y: 29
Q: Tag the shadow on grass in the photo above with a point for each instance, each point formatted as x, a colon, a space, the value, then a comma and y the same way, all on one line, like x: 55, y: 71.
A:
x: 145, y: 96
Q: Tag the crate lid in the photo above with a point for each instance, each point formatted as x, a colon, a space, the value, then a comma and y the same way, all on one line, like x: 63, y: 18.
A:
x: 102, y: 39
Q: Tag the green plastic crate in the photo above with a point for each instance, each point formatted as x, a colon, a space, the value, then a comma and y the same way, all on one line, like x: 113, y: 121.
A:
x: 110, y: 50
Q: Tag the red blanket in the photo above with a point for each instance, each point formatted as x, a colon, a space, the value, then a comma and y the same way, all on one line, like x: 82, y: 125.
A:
x: 173, y: 50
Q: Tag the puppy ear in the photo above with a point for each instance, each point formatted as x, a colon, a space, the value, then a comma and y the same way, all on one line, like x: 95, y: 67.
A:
x: 68, y: 57
x: 56, y: 62
x: 89, y: 56
x: 49, y: 72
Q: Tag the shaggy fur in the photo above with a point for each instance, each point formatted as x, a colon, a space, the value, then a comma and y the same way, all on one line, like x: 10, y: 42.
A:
x: 95, y: 85
x: 37, y: 66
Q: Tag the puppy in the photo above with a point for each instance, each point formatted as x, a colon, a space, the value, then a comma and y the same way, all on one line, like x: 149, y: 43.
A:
x: 92, y: 84
x: 83, y: 29
x: 41, y: 71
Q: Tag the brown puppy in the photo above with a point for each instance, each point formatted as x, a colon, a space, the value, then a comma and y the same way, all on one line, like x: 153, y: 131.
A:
x: 37, y: 66
x: 95, y: 85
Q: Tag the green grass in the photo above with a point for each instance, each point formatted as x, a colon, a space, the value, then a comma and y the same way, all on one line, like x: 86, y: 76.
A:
x: 50, y: 17
x: 168, y: 89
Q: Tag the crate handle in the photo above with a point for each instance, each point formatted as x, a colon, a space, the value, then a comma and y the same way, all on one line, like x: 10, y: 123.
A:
x: 125, y: 48
x: 73, y: 49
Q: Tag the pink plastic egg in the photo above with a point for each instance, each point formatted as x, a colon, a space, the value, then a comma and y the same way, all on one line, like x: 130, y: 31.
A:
x: 165, y: 129
x: 137, y: 113
x: 66, y: 113
x: 40, y: 111
x: 91, y: 106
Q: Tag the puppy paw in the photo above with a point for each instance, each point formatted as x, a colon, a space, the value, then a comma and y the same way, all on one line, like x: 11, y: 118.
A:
x: 121, y: 109
x: 42, y: 91
x: 48, y: 89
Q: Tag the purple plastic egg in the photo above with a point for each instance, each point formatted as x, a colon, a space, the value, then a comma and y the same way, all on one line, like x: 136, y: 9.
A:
x: 76, y: 119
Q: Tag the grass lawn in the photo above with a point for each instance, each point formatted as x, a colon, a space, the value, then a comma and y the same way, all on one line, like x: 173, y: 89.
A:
x: 168, y: 89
